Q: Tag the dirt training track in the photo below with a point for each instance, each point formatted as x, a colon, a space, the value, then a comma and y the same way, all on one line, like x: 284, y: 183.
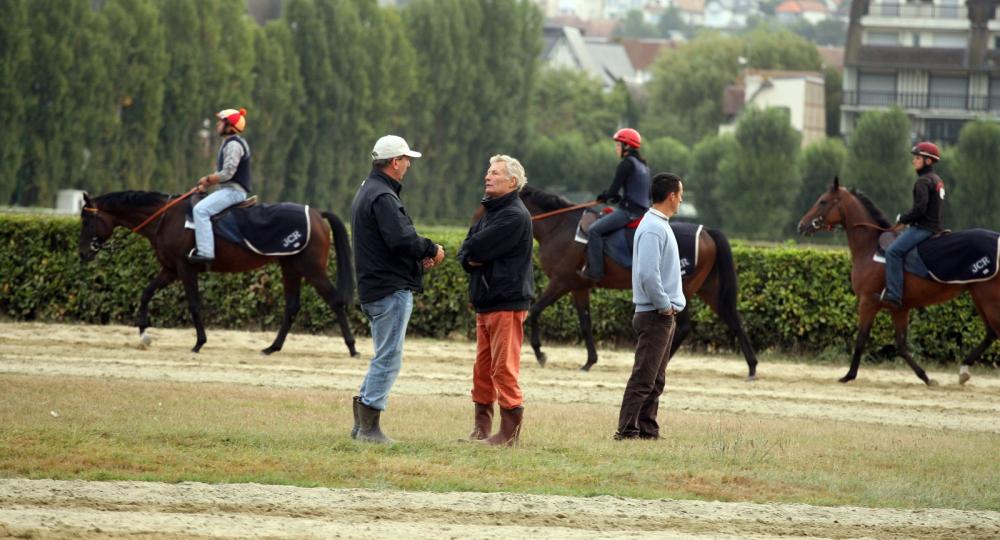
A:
x: 78, y: 509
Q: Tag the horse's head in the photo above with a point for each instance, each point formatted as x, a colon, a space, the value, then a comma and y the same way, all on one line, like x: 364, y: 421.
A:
x: 97, y: 228
x: 826, y: 212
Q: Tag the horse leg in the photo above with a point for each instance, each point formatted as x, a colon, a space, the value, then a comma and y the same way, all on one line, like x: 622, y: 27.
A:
x: 189, y: 277
x: 963, y: 371
x: 900, y: 319
x: 581, y: 301
x: 292, y: 281
x: 866, y: 316
x: 161, y: 280
x: 553, y: 292
x: 328, y: 292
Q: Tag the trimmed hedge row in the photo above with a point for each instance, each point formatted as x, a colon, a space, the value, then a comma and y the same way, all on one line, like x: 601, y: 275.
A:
x: 791, y: 299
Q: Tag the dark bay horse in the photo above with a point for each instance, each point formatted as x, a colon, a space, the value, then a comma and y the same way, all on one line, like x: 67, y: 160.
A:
x: 713, y: 279
x: 864, y: 222
x: 171, y: 242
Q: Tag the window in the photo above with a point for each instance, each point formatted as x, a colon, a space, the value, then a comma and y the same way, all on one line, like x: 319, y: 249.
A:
x: 876, y: 89
x: 916, y: 39
x: 948, y: 92
x: 994, y: 94
x: 883, y: 38
x: 943, y: 40
x: 944, y: 130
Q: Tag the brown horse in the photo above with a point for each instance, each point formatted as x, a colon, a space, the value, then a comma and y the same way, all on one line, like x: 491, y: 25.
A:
x: 171, y: 242
x: 864, y: 222
x: 713, y: 279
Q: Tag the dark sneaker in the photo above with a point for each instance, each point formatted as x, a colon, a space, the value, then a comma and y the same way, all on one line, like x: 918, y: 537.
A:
x: 583, y: 273
x: 196, y: 258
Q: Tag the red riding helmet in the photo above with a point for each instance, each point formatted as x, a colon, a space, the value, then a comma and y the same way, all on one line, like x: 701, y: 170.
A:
x: 926, y: 149
x: 628, y: 136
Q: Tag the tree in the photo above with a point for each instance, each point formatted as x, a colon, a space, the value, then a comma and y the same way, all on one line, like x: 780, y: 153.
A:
x: 666, y: 154
x: 689, y: 82
x: 759, y: 182
x: 671, y: 21
x: 701, y: 187
x: 833, y: 90
x: 974, y: 191
x: 15, y: 95
x: 879, y: 161
x: 566, y: 100
x: 821, y: 162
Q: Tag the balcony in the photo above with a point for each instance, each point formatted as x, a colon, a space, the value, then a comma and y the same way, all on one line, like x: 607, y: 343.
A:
x: 922, y: 100
x: 918, y: 11
x: 911, y: 57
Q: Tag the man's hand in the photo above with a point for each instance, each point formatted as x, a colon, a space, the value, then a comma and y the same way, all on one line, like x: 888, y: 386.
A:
x: 431, y: 262
x: 203, y: 183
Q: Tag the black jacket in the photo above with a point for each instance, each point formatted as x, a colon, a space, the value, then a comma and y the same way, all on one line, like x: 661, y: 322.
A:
x: 388, y: 252
x: 928, y: 195
x: 501, y: 240
x: 632, y: 175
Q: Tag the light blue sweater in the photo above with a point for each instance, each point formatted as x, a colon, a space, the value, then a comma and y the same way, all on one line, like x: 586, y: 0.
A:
x: 656, y: 266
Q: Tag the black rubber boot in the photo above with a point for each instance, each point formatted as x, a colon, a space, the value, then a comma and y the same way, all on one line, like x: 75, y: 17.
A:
x: 368, y: 428
x: 354, y: 431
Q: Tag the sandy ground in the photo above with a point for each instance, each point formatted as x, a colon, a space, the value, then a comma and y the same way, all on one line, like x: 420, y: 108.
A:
x: 75, y: 509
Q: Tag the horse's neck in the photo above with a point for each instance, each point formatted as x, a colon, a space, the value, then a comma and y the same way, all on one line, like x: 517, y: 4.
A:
x: 862, y: 234
x: 547, y: 228
x: 131, y: 218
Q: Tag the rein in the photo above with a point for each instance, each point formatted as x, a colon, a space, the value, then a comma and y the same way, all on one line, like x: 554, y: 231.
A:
x: 876, y: 227
x: 563, y: 210
x: 165, y: 207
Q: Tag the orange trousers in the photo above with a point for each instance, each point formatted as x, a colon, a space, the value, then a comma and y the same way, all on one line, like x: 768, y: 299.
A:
x: 498, y: 358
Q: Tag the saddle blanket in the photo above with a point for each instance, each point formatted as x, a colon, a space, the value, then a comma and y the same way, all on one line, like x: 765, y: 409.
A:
x: 267, y: 229
x: 961, y: 257
x: 618, y: 245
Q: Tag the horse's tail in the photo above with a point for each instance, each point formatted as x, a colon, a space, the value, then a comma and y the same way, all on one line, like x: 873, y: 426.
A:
x: 345, y: 268
x: 725, y: 269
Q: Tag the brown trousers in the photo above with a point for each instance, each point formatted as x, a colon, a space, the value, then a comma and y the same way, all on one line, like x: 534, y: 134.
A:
x: 641, y: 402
x: 499, y: 335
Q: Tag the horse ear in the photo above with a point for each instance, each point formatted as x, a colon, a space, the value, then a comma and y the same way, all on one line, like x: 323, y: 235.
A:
x: 836, y: 183
x: 86, y: 199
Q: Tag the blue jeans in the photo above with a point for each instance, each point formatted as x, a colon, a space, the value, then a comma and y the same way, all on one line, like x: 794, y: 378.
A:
x: 894, y: 257
x: 595, y: 240
x: 388, y: 316
x: 203, y: 211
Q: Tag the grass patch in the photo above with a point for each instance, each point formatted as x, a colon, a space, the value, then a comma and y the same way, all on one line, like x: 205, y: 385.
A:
x: 172, y: 432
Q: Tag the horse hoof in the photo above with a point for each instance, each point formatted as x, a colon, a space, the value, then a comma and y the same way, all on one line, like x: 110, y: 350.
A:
x: 268, y: 351
x: 931, y: 382
x: 587, y: 366
x: 196, y: 349
x: 145, y: 339
x: 963, y: 378
x: 541, y: 358
x: 355, y: 354
x: 751, y: 378
x: 845, y: 379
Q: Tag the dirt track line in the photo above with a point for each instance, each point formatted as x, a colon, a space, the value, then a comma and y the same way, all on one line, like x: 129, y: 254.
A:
x: 282, y: 511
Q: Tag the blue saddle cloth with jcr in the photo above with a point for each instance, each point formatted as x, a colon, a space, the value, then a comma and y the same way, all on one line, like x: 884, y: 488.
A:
x: 618, y: 244
x: 961, y: 257
x: 267, y: 229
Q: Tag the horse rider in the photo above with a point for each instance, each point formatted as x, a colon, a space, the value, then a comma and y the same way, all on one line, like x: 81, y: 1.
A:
x: 632, y: 177
x: 233, y: 177
x: 924, y: 220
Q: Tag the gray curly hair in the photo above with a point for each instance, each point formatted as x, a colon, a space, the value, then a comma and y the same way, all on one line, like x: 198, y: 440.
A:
x: 514, y: 169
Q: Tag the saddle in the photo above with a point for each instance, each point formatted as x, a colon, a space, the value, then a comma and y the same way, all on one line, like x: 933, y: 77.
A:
x: 618, y: 244
x: 947, y: 257
x: 266, y: 229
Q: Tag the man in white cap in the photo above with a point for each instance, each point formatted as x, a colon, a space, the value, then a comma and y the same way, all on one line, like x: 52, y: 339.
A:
x: 390, y: 258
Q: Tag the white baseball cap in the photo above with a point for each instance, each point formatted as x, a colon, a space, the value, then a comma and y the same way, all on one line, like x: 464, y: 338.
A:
x: 392, y: 146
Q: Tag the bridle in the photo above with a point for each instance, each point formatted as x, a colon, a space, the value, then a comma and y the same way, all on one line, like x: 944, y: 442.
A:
x: 820, y: 222
x: 96, y: 243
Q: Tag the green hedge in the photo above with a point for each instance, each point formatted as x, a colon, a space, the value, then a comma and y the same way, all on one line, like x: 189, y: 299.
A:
x: 792, y: 299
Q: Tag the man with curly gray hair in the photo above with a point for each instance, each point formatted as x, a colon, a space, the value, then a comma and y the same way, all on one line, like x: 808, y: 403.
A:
x: 497, y: 255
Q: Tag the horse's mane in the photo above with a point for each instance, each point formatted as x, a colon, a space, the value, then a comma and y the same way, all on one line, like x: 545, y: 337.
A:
x: 545, y: 200
x: 124, y: 200
x: 873, y: 210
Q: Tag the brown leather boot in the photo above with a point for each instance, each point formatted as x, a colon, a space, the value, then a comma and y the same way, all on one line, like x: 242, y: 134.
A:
x: 510, y: 428
x: 484, y: 422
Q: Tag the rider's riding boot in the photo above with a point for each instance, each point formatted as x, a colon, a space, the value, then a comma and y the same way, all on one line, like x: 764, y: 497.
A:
x: 583, y: 273
x: 354, y: 431
x: 889, y: 301
x: 483, y: 422
x: 510, y: 428
x: 368, y: 428
x: 197, y: 258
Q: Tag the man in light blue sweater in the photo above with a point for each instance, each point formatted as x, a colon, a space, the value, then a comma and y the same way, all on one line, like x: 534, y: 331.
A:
x: 658, y: 296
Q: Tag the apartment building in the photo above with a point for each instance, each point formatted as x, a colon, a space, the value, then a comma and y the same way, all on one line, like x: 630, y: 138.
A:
x: 938, y: 60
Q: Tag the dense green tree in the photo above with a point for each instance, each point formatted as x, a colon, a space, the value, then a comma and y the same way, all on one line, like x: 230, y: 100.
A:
x: 671, y: 21
x: 700, y: 187
x: 973, y: 192
x: 566, y: 100
x: 833, y: 96
x: 760, y: 181
x: 821, y: 162
x: 136, y: 60
x: 879, y: 161
x: 689, y: 82
x: 665, y: 154
x: 279, y: 103
x: 15, y: 95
